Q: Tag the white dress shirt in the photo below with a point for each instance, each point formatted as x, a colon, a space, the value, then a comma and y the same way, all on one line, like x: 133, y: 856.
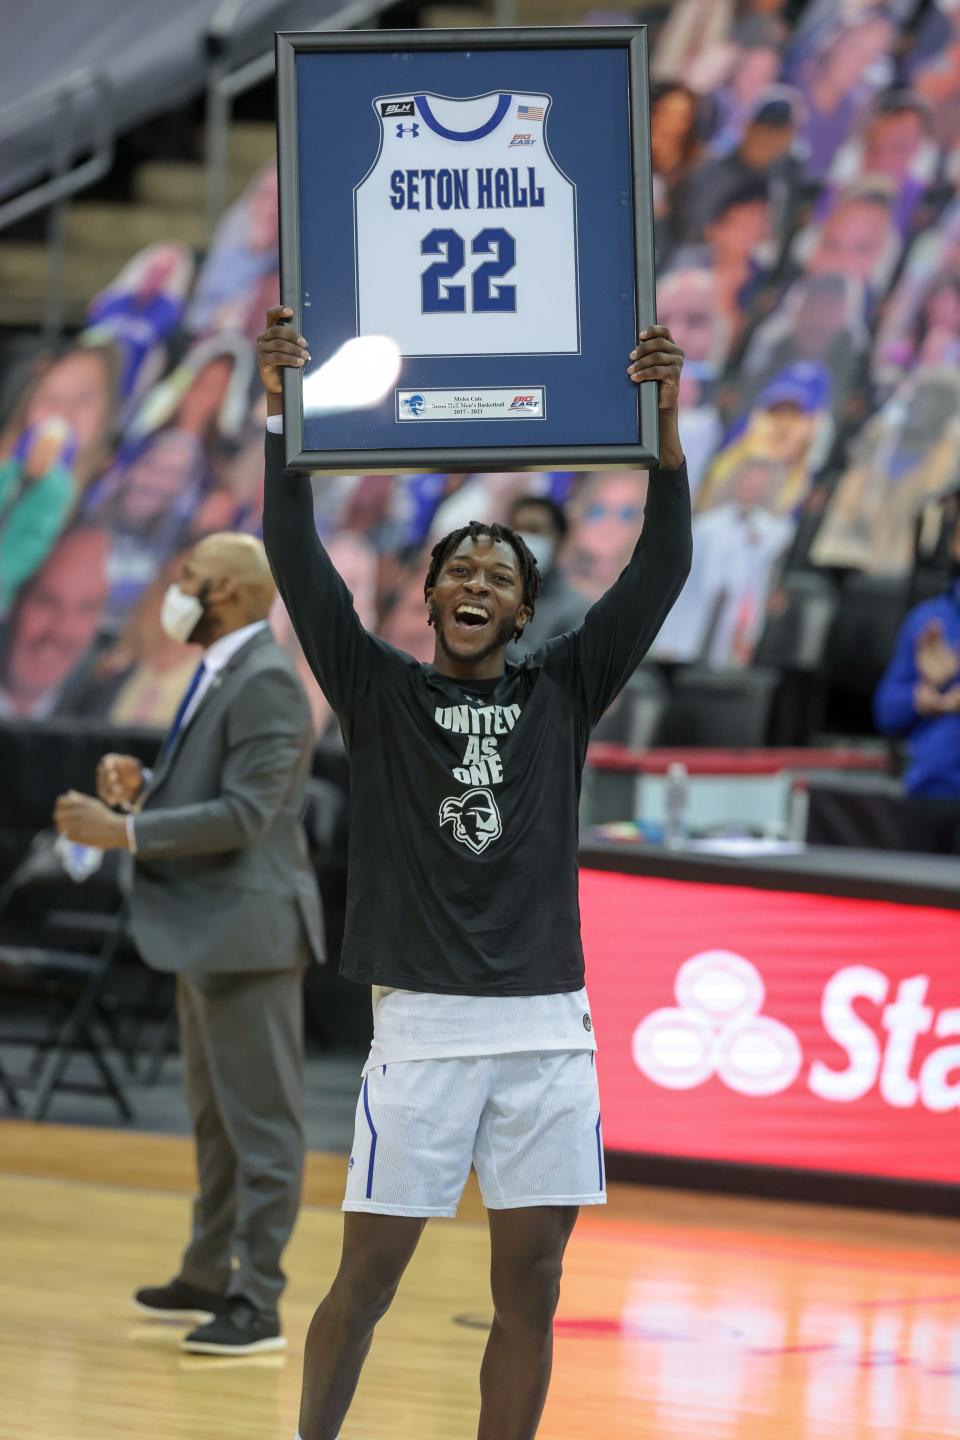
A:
x: 215, y: 660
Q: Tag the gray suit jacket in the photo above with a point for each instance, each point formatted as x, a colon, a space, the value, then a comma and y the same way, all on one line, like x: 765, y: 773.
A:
x: 222, y: 880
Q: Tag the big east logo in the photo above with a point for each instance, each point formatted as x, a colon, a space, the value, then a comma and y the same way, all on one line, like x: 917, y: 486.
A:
x: 524, y: 402
x: 717, y: 1028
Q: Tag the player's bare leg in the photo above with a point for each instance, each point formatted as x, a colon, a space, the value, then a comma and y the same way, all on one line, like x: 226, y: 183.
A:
x: 526, y: 1260
x: 376, y: 1251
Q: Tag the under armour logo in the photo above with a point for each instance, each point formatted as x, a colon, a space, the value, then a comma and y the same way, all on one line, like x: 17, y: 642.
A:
x: 413, y: 130
x: 717, y: 1028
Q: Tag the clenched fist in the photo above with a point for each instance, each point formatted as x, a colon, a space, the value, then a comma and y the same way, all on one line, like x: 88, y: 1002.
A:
x: 119, y: 780
x: 89, y: 822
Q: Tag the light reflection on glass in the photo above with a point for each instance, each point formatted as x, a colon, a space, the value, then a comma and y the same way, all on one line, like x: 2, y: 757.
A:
x: 358, y: 375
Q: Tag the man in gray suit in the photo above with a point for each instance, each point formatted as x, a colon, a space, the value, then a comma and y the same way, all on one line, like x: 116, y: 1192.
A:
x: 224, y: 896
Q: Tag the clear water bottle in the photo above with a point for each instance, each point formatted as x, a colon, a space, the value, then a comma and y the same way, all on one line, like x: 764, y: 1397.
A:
x: 675, y: 796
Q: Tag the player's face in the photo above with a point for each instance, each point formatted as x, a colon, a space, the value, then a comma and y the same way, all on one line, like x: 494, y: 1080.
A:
x: 477, y: 602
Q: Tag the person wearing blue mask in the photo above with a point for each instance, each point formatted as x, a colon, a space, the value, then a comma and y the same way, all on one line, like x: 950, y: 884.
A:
x: 543, y: 526
x: 918, y: 699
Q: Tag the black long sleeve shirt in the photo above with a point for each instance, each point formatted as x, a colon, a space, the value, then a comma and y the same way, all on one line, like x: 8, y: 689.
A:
x: 464, y: 796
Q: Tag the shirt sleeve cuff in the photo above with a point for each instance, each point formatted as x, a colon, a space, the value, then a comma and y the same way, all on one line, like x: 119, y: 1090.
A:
x: 131, y: 836
x: 275, y: 424
x: 680, y: 469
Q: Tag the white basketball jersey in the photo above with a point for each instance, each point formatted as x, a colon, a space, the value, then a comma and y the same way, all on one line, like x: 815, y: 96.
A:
x: 466, y: 230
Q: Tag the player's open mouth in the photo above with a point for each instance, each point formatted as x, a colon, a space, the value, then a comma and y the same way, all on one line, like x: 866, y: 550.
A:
x: 470, y: 617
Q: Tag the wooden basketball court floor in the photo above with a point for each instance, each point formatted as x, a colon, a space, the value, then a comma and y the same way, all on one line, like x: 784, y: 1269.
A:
x: 682, y: 1315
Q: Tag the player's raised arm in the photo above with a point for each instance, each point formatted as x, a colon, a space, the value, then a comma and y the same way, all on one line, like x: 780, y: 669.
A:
x: 597, y: 660
x: 319, y: 604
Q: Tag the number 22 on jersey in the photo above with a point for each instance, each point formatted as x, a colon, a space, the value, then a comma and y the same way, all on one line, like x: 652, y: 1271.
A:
x: 460, y: 249
x: 438, y: 298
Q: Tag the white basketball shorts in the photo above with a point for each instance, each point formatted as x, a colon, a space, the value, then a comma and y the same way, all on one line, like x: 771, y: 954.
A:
x: 528, y: 1123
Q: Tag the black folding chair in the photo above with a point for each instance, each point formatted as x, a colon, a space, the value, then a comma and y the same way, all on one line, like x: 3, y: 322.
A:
x: 71, y: 981
x: 725, y: 708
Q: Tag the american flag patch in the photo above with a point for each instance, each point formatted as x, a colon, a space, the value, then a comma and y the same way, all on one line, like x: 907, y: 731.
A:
x: 529, y: 112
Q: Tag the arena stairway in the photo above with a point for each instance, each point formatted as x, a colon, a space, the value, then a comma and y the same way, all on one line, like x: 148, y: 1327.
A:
x: 168, y: 198
x: 168, y: 203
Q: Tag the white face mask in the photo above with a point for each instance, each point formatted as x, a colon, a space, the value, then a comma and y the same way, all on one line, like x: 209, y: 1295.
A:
x: 542, y: 548
x: 179, y: 614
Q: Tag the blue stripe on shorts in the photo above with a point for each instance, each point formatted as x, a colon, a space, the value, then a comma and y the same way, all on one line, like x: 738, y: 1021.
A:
x: 599, y: 1155
x: 373, y: 1141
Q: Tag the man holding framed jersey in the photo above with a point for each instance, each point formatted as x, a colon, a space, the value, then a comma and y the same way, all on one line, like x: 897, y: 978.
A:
x: 462, y: 908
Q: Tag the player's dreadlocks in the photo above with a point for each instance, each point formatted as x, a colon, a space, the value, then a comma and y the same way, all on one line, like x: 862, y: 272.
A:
x: 529, y: 570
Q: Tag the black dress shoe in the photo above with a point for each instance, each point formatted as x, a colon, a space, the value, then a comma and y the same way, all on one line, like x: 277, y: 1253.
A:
x: 180, y: 1300
x: 240, y: 1330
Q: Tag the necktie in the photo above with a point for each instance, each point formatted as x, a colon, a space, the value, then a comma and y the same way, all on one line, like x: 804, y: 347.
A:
x: 183, y: 707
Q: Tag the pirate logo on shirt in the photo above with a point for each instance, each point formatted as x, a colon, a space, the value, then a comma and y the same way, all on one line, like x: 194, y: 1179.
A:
x: 474, y: 817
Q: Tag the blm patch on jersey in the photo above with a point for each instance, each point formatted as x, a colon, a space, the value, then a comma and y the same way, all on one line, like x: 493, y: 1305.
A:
x: 389, y: 108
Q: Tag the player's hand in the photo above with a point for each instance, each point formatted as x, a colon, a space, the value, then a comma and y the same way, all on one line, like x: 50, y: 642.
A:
x: 936, y: 660
x: 89, y: 822
x: 658, y: 357
x: 279, y: 346
x: 119, y: 779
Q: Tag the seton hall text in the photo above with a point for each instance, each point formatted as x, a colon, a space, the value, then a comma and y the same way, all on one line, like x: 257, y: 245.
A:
x: 481, y: 188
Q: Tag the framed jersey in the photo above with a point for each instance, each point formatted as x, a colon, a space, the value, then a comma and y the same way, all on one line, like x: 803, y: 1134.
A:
x: 467, y: 247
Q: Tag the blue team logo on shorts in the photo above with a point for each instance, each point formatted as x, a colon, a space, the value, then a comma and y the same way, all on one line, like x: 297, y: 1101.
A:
x: 474, y: 818
x: 414, y: 404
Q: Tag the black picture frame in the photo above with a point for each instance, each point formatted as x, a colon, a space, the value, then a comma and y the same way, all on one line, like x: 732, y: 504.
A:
x: 632, y: 40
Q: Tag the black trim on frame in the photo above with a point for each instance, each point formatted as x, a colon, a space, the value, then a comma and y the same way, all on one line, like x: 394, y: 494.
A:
x: 632, y: 39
